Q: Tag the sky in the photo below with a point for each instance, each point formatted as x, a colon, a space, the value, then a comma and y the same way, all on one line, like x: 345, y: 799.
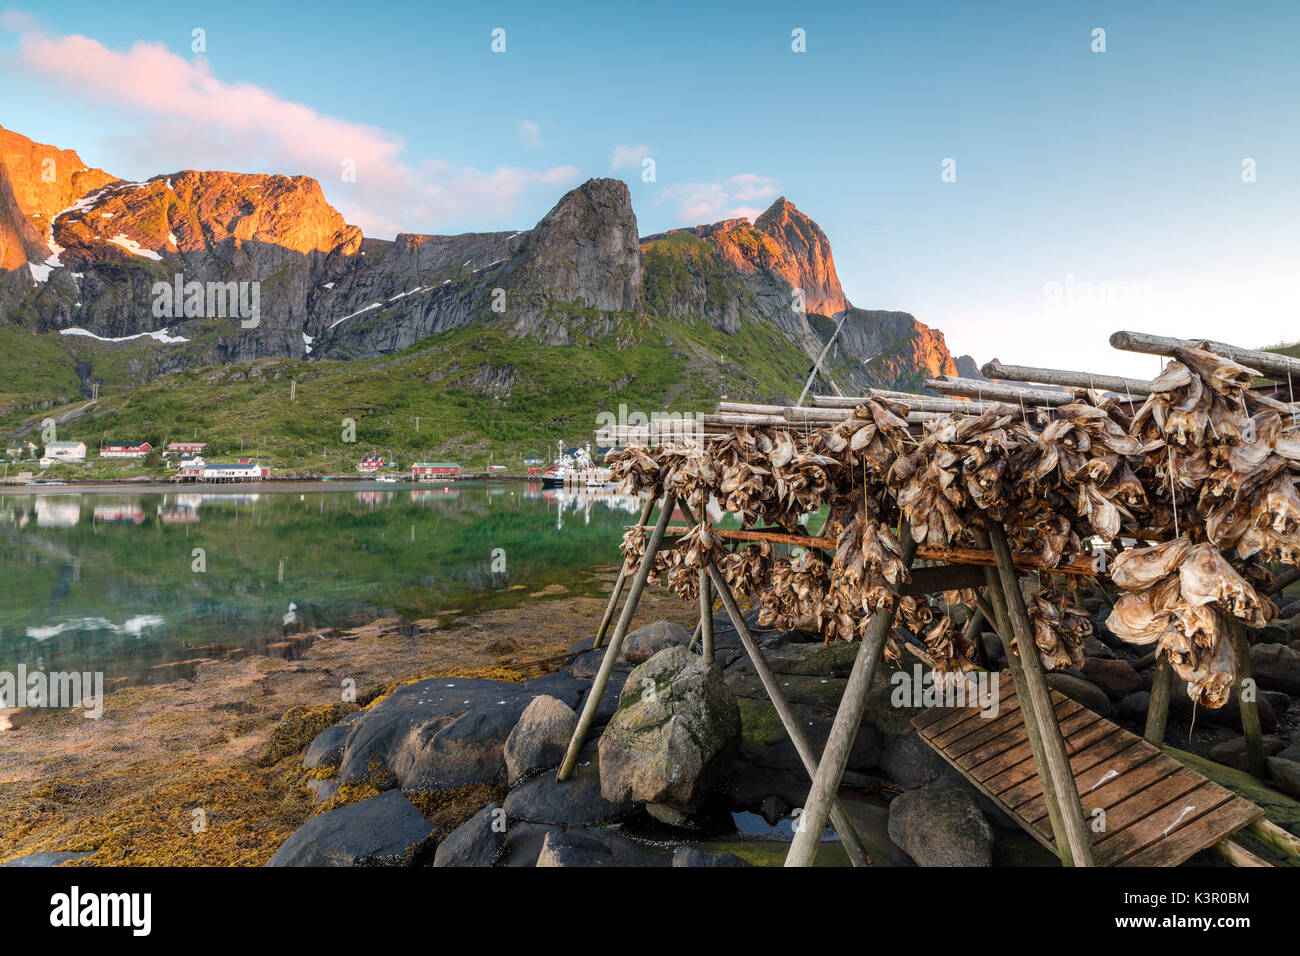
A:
x: 1003, y: 171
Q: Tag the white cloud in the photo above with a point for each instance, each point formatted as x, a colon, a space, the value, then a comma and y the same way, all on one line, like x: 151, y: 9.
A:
x: 531, y: 134
x: 628, y: 157
x: 195, y: 120
x: 748, y: 187
x: 709, y: 202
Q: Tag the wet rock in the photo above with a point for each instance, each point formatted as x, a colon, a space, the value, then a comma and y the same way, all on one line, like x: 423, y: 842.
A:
x: 690, y: 856
x: 524, y: 843
x: 674, y: 736
x: 1229, y: 715
x: 597, y: 848
x: 54, y: 858
x: 749, y: 784
x: 764, y: 740
x: 1232, y: 753
x: 1117, y: 678
x: 382, y: 831
x: 539, y: 738
x: 1081, y: 691
x: 941, y: 827
x: 476, y: 842
x: 587, y: 665
x: 322, y: 790
x: 645, y: 642
x: 773, y: 809
x: 1134, y: 706
x: 910, y: 762
x: 1286, y: 774
x: 575, y: 802
x: 326, y: 749
x: 1276, y: 667
x: 1279, y: 701
x: 1095, y: 648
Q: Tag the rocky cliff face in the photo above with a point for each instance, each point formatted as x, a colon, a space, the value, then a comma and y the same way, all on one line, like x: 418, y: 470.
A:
x: 325, y: 291
x: 46, y: 180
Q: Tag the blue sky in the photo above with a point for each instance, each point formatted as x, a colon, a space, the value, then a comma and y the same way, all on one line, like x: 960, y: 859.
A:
x: 1094, y: 191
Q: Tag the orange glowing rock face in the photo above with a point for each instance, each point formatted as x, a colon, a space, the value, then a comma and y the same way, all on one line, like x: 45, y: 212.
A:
x: 46, y: 180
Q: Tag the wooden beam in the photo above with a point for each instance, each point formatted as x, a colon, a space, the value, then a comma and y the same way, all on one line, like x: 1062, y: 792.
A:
x: 1270, y: 833
x: 950, y: 577
x: 1267, y: 363
x: 844, y: 729
x: 921, y: 403
x: 1158, y: 705
x: 597, y: 691
x: 1248, y: 701
x: 1056, y: 376
x: 1057, y: 761
x: 618, y: 584
x: 1238, y: 855
x: 706, y: 616
x: 1284, y: 581
x: 1014, y: 394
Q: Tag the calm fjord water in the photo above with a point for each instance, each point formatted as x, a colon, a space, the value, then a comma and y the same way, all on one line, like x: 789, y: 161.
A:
x: 121, y: 582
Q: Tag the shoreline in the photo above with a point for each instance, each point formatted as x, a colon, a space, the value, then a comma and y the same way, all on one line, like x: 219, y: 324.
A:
x: 302, y: 485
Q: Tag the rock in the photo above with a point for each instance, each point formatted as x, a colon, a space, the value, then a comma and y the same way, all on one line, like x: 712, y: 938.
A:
x: 1276, y: 667
x: 1117, y: 678
x: 773, y: 809
x: 1229, y: 715
x: 910, y: 762
x: 645, y: 642
x: 1092, y: 647
x: 1232, y: 753
x: 1134, y: 706
x: 524, y: 843
x: 671, y: 816
x: 749, y: 784
x: 326, y: 749
x: 476, y: 842
x: 674, y: 736
x: 689, y: 856
x: 764, y: 740
x: 597, y: 848
x: 1279, y: 701
x: 1080, y: 690
x: 322, y: 790
x: 575, y: 802
x: 1291, y: 751
x: 1286, y: 774
x: 587, y: 665
x: 941, y: 827
x: 54, y: 858
x: 540, y: 737
x: 381, y: 831
x: 889, y: 705
x: 811, y: 660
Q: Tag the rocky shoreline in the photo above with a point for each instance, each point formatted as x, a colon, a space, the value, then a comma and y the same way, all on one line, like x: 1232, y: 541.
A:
x: 685, y: 756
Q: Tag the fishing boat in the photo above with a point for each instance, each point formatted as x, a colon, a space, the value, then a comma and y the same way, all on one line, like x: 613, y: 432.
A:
x: 576, y: 468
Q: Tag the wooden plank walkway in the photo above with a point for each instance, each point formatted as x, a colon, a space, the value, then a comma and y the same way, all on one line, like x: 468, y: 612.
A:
x: 1157, y: 812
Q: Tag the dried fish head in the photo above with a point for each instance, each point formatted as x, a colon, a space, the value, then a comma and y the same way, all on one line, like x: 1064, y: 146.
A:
x: 1142, y: 567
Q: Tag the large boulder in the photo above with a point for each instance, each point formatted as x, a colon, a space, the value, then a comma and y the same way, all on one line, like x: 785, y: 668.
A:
x: 326, y: 749
x: 1082, y: 692
x: 1117, y: 678
x: 910, y: 762
x: 1286, y: 774
x: 1276, y: 666
x: 674, y: 735
x: 540, y: 737
x: 941, y: 827
x: 1232, y: 753
x: 690, y: 856
x: 574, y: 802
x: 381, y: 831
x: 597, y: 848
x: 476, y: 842
x: 645, y: 642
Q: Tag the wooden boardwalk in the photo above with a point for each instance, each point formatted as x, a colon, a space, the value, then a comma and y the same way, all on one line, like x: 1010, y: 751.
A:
x: 1157, y: 812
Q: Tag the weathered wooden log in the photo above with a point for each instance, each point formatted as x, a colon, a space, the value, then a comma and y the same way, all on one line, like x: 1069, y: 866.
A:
x: 844, y: 729
x: 1057, y: 759
x: 1056, y: 376
x: 950, y: 577
x: 1014, y: 394
x: 1158, y: 705
x: 920, y: 403
x: 1266, y: 363
x: 1284, y: 581
x: 1277, y: 838
x: 706, y: 616
x: 618, y: 584
x: 1238, y: 855
x: 597, y: 691
x: 1248, y: 701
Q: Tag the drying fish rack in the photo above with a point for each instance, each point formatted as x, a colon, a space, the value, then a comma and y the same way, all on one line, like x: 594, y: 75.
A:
x: 1046, y: 760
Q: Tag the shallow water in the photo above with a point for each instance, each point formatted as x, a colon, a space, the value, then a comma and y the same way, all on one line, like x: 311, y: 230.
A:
x: 122, y: 582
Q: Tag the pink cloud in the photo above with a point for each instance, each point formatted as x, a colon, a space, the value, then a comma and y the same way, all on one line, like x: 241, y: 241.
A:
x: 709, y: 202
x: 200, y: 121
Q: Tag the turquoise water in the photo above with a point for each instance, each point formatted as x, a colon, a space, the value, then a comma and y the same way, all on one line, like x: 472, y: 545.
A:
x: 123, y: 582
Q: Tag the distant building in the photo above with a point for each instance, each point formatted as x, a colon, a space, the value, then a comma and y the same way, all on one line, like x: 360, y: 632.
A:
x: 435, y: 469
x: 242, y: 470
x: 370, y: 463
x: 534, y: 470
x: 530, y: 462
x: 496, y: 468
x: 117, y: 450
x: 191, y: 466
x: 63, y: 451
x: 184, y: 448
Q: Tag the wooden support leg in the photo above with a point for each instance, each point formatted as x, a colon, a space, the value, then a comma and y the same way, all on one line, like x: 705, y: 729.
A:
x: 1282, y: 840
x: 1058, y: 762
x: 618, y: 584
x: 1238, y: 855
x: 1033, y: 729
x: 1247, y: 698
x: 835, y: 755
x: 839, y: 819
x: 597, y: 690
x: 1158, y: 706
x: 706, y: 616
x: 974, y: 634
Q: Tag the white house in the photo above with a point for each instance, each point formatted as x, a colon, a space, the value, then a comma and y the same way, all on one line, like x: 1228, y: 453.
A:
x: 240, y: 471
x: 63, y: 451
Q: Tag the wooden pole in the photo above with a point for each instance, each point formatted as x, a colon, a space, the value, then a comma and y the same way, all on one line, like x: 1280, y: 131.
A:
x: 1284, y: 581
x: 789, y: 720
x: 1158, y: 706
x: 618, y: 584
x: 997, y: 391
x: 1238, y: 855
x: 1277, y: 838
x: 975, y: 634
x: 597, y: 691
x: 835, y: 755
x: 1056, y: 376
x: 1268, y: 363
x: 1033, y: 729
x: 1058, y: 762
x: 706, y: 616
x: 1247, y: 699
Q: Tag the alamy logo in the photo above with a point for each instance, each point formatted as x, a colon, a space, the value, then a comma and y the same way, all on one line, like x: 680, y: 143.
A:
x: 920, y: 689
x: 56, y: 689
x: 657, y: 428
x: 209, y: 300
x: 74, y: 909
